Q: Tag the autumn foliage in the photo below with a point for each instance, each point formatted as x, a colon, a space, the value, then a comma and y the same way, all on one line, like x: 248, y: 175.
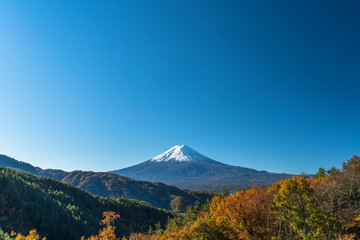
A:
x: 325, y: 206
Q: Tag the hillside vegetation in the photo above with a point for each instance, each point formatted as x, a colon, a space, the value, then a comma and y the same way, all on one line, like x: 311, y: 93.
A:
x: 326, y: 206
x: 113, y: 185
x: 61, y: 211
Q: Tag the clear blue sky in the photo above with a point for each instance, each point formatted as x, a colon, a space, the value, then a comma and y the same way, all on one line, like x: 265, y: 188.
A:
x: 102, y: 85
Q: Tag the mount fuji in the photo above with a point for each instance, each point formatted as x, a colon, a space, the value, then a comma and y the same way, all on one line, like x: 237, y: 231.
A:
x: 181, y: 153
x: 184, y: 167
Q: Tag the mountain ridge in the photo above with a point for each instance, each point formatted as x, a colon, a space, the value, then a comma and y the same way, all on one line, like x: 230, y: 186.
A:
x: 186, y: 168
x: 113, y: 185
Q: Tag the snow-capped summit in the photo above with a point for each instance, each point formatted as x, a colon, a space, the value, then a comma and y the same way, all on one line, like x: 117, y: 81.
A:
x: 180, y: 153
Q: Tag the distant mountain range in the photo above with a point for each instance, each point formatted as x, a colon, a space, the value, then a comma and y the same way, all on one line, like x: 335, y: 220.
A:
x: 112, y: 185
x: 185, y: 168
x: 180, y: 166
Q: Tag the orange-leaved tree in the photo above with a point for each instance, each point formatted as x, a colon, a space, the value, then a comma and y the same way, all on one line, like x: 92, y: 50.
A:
x: 246, y: 214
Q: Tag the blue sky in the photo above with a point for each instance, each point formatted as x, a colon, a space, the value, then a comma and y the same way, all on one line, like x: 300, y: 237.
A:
x: 102, y: 85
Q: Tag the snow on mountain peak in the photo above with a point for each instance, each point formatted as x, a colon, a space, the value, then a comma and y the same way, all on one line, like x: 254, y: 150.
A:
x: 180, y: 153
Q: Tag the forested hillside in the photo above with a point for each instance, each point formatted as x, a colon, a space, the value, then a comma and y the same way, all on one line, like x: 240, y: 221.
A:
x: 113, y: 185
x: 326, y: 206
x: 61, y: 211
x: 323, y: 206
x: 155, y: 194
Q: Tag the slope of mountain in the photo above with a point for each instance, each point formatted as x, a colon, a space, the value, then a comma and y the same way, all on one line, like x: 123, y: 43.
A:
x: 61, y: 211
x: 113, y: 185
x: 155, y: 194
x: 186, y: 168
x: 9, y: 162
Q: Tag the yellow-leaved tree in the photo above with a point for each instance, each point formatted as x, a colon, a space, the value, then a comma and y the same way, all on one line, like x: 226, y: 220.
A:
x: 31, y: 236
x: 108, y: 232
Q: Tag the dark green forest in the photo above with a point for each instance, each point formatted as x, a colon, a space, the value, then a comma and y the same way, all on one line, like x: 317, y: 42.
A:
x: 112, y: 185
x: 61, y: 211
